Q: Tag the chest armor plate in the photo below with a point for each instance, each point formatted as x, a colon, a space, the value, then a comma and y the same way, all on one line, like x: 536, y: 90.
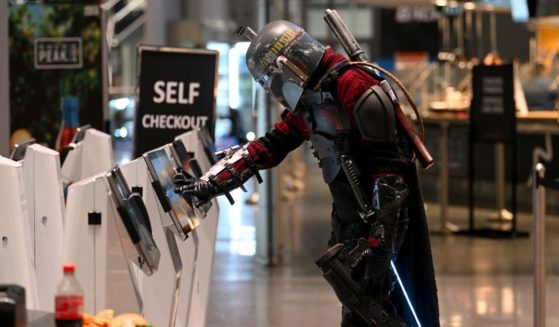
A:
x: 325, y: 119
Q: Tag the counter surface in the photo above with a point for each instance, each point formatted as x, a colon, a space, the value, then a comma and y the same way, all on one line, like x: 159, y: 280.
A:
x: 529, y: 122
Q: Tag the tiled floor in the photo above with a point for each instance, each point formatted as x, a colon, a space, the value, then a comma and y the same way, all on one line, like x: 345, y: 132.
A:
x: 482, y: 282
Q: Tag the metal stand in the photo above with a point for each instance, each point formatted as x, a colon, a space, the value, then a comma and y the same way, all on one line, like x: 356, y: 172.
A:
x: 479, y: 35
x: 177, y: 264
x: 493, y: 29
x: 496, y: 127
x: 502, y: 215
x: 446, y: 226
x: 538, y: 199
x: 538, y: 205
x: 502, y: 231
x: 196, y: 240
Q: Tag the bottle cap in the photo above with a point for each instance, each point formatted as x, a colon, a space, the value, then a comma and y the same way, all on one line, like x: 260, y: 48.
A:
x: 69, y: 267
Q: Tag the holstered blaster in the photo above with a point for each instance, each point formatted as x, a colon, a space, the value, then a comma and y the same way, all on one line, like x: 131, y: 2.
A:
x: 352, y: 172
x: 337, y: 266
x: 355, y: 53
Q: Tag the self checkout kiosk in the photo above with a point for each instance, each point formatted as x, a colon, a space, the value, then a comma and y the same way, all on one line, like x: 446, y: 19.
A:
x: 161, y: 292
x: 45, y: 203
x: 15, y: 246
x: 92, y: 243
x: 42, y: 204
x: 200, y: 157
x: 89, y: 153
x: 132, y: 237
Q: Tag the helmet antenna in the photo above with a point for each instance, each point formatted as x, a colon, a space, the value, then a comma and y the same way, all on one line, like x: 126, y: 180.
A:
x: 246, y: 32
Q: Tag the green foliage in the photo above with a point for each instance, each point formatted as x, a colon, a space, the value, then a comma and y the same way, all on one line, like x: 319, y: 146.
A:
x: 35, y: 94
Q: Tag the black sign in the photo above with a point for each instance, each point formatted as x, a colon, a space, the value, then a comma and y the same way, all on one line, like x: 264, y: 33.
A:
x: 58, y: 53
x: 415, y: 29
x: 177, y: 94
x: 493, y: 109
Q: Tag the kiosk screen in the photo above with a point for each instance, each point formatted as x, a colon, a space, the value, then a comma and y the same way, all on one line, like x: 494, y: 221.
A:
x: 162, y: 172
x: 18, y: 153
x: 184, y: 160
x: 208, y: 144
x: 134, y: 217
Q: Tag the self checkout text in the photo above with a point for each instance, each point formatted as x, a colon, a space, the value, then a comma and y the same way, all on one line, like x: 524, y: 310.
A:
x: 173, y: 92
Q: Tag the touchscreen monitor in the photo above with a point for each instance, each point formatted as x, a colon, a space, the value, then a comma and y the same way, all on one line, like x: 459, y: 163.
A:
x: 134, y: 217
x: 18, y: 153
x: 80, y: 133
x: 191, y: 169
x: 184, y: 160
x: 208, y: 144
x: 162, y: 172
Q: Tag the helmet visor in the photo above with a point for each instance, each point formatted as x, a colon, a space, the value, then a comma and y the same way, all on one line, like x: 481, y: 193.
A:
x: 284, y: 81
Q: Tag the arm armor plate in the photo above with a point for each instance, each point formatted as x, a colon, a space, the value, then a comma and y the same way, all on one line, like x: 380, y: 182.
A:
x: 237, y: 176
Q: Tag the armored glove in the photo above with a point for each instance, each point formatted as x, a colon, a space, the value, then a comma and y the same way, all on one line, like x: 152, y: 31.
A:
x: 201, y: 189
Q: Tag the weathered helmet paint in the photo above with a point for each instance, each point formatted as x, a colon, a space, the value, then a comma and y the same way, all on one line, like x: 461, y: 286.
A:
x: 282, y: 58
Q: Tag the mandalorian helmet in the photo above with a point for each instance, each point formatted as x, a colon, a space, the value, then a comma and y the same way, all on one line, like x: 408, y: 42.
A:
x: 282, y: 58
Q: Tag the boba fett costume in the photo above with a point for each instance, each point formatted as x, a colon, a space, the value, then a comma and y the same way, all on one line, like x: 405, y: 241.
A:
x: 366, y: 160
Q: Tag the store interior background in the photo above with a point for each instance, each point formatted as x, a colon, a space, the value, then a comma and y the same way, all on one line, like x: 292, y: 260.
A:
x: 432, y: 49
x: 264, y: 273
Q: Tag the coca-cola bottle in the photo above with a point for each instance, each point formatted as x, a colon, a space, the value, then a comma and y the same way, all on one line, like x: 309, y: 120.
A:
x: 70, y: 121
x: 68, y: 300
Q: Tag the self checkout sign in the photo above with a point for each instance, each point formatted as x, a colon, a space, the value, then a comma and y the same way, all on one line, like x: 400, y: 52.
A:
x: 177, y: 92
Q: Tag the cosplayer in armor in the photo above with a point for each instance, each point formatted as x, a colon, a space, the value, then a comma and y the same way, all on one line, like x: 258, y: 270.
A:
x: 347, y: 112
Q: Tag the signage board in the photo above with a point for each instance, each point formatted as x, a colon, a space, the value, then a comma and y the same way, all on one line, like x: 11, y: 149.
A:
x: 177, y: 93
x: 58, y: 53
x: 493, y: 110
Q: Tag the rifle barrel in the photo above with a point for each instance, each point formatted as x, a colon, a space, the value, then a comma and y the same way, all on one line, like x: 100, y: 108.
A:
x: 345, y: 37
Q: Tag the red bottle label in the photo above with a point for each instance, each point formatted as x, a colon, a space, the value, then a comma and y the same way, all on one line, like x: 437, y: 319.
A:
x: 66, y: 137
x: 68, y: 307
